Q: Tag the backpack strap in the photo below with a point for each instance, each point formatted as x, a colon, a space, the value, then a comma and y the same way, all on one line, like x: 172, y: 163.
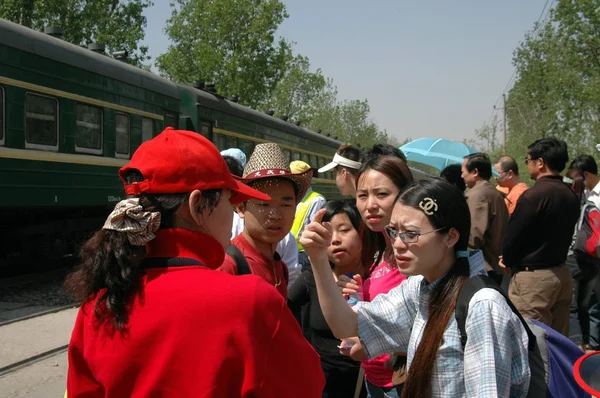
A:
x: 162, y: 262
x: 472, y: 286
x: 240, y: 261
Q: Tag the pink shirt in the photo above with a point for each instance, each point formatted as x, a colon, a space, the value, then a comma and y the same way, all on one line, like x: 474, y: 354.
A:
x: 384, y: 278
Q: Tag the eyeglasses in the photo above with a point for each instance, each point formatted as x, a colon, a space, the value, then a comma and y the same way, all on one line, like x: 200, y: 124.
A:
x: 499, y: 176
x: 527, y: 160
x: 408, y: 236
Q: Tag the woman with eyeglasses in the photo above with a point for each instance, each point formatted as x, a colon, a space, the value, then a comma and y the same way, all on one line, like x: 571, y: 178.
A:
x: 379, y: 180
x: 429, y: 231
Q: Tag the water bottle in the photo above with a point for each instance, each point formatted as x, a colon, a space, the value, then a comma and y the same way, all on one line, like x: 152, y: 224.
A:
x: 352, y: 299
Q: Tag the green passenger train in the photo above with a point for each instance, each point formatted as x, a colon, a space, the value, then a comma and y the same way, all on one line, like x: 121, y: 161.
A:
x: 71, y: 116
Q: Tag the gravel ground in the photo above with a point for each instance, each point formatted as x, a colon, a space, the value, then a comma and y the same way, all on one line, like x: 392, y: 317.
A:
x: 38, y: 289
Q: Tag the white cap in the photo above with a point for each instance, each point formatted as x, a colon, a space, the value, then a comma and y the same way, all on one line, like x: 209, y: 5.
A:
x: 340, y: 161
x: 235, y: 153
x: 598, y: 147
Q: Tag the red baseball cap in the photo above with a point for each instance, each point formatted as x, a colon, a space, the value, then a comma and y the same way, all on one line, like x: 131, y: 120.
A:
x: 178, y: 161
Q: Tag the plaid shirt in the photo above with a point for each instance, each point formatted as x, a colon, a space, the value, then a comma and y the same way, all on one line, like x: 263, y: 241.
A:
x: 495, y: 359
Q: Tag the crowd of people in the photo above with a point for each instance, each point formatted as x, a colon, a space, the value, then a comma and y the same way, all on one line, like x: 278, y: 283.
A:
x: 222, y: 276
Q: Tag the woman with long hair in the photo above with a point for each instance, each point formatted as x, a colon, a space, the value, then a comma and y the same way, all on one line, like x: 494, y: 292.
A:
x: 156, y: 319
x: 380, y: 179
x: 429, y: 231
x: 341, y: 372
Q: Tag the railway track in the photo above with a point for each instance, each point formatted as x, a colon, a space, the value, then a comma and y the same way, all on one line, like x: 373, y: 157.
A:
x: 34, y: 338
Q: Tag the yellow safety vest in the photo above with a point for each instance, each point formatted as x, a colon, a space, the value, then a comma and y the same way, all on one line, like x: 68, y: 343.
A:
x: 301, y: 214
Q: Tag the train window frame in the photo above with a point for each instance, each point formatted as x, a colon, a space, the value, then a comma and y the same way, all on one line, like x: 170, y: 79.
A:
x: 82, y: 149
x: 175, y: 118
x: 219, y: 139
x: 209, y: 129
x: 44, y: 147
x: 153, y: 133
x: 121, y: 155
x: 2, y: 116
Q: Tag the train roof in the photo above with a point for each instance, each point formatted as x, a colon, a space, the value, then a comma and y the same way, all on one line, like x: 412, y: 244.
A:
x: 218, y: 103
x: 22, y: 38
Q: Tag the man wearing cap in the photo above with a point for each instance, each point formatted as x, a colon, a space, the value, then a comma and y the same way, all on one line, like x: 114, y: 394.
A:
x: 346, y: 163
x: 266, y: 223
x: 306, y: 209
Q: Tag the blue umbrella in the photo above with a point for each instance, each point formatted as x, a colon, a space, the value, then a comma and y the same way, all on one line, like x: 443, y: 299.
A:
x: 437, y: 152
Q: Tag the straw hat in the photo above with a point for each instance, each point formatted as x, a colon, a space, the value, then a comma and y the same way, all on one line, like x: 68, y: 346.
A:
x: 268, y: 161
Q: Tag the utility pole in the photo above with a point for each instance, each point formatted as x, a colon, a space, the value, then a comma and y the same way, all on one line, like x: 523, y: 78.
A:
x: 504, y: 119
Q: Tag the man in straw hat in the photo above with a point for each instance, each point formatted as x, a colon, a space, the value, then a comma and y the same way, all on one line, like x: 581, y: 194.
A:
x: 266, y: 223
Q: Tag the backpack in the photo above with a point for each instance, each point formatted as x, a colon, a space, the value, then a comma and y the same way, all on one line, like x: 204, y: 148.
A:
x: 551, y: 355
x: 587, y: 240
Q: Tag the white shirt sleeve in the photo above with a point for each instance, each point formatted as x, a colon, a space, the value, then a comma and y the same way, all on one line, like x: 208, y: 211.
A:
x: 238, y: 225
x: 288, y: 250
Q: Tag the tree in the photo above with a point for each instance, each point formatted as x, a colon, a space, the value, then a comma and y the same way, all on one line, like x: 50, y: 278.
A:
x: 556, y: 92
x: 230, y: 43
x: 297, y: 93
x: 357, y: 126
x: 118, y: 24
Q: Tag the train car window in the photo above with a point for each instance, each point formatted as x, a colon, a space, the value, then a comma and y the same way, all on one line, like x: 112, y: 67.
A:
x: 1, y: 115
x: 148, y: 130
x: 313, y: 162
x: 122, y: 135
x: 288, y: 155
x: 321, y: 162
x: 170, y: 120
x: 231, y: 142
x: 41, y: 122
x: 247, y: 147
x: 305, y: 158
x: 296, y: 155
x: 219, y: 141
x: 88, y: 129
x: 206, y: 129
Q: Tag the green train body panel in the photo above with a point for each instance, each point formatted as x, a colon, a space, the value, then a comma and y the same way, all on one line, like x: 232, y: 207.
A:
x: 60, y: 187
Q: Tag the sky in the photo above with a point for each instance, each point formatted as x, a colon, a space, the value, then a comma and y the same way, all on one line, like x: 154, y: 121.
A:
x: 428, y: 68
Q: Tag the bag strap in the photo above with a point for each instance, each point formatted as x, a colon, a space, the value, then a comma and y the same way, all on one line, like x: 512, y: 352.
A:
x: 162, y: 262
x: 472, y: 286
x: 240, y: 261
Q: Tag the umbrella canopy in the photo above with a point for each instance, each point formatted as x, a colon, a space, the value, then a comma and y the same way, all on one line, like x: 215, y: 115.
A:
x: 436, y: 152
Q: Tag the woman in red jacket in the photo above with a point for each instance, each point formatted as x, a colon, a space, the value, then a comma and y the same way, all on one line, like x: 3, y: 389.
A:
x: 156, y: 320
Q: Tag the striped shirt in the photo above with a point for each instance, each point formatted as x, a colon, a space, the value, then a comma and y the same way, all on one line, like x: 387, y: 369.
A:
x: 495, y: 359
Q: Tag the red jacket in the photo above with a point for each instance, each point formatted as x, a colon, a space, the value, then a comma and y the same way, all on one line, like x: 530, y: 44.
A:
x: 194, y: 332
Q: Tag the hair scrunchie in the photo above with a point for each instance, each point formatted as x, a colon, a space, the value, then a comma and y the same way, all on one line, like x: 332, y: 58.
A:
x: 130, y: 217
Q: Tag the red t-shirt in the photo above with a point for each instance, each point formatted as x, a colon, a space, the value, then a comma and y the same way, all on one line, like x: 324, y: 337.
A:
x: 271, y: 270
x: 193, y: 332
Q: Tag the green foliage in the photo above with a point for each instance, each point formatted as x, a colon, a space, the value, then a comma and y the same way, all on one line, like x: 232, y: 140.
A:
x: 118, y: 24
x: 227, y: 42
x: 557, y: 89
x: 297, y: 93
